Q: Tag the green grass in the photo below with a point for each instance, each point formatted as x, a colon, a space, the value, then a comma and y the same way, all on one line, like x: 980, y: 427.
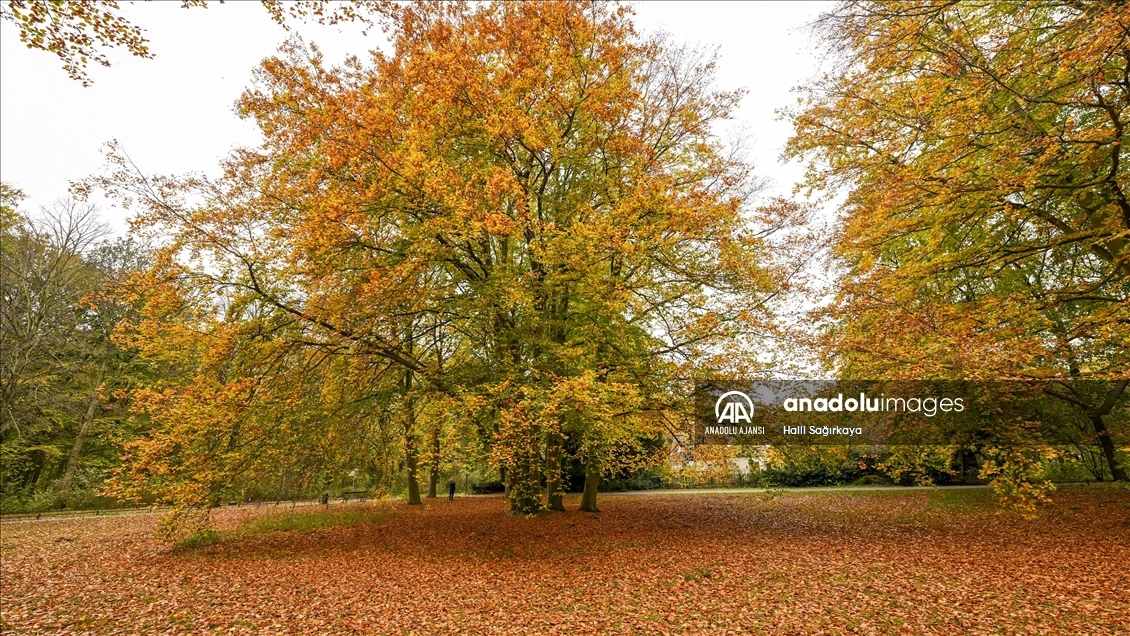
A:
x: 964, y: 500
x: 957, y: 500
x: 303, y: 522
x: 199, y: 539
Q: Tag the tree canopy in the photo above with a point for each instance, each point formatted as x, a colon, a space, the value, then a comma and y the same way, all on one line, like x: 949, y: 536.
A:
x: 521, y: 212
x: 984, y: 231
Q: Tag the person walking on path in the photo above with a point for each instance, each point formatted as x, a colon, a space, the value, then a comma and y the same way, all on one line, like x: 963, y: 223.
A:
x: 451, y: 489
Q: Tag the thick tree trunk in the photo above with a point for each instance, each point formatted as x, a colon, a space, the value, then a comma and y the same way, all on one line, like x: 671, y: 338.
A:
x: 553, y: 490
x: 433, y: 479
x: 84, y: 427
x: 410, y: 444
x: 1096, y: 415
x: 410, y: 461
x: 1101, y: 431
x: 536, y: 473
x: 525, y: 493
x: 592, y: 480
x: 410, y: 467
x: 1107, y: 444
x: 525, y: 479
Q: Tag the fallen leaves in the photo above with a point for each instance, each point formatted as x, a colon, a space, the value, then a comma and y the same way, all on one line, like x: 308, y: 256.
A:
x: 851, y: 563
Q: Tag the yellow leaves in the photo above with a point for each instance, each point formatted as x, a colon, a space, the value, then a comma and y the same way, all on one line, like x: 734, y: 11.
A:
x: 535, y: 181
x: 1017, y: 476
x: 964, y: 233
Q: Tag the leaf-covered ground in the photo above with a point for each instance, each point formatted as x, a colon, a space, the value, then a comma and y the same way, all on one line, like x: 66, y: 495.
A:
x: 917, y: 562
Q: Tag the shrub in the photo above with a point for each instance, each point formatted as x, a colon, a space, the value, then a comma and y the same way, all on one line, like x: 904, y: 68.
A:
x: 488, y: 488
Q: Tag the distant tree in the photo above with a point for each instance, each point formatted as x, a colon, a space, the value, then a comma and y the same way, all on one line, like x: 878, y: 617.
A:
x: 44, y: 278
x: 105, y: 310
x: 59, y: 362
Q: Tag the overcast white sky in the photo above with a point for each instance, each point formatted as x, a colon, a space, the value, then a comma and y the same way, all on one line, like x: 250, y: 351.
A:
x: 173, y: 114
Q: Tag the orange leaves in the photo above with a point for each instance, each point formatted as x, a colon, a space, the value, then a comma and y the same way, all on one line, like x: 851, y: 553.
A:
x: 533, y: 184
x: 854, y: 563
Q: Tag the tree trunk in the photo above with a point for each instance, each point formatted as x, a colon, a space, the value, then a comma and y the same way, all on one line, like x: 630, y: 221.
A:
x: 32, y: 476
x: 410, y: 465
x: 525, y: 493
x: 505, y: 481
x: 410, y: 444
x: 1117, y: 472
x: 525, y: 474
x: 553, y: 490
x: 592, y: 480
x: 433, y: 479
x: 1107, y: 444
x: 87, y: 418
x: 410, y: 456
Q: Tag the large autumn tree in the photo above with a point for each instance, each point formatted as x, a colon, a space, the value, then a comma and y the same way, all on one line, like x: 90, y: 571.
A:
x: 985, y: 225
x: 521, y: 211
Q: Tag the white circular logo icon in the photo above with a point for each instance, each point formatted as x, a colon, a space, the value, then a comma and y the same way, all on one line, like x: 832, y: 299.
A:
x: 739, y: 408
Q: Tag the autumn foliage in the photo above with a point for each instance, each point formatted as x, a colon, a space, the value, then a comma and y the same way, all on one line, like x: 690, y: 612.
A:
x: 504, y: 251
x: 517, y: 226
x: 985, y: 222
x: 846, y: 563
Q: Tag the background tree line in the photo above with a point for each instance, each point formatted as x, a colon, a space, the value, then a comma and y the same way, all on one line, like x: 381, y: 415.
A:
x: 65, y: 381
